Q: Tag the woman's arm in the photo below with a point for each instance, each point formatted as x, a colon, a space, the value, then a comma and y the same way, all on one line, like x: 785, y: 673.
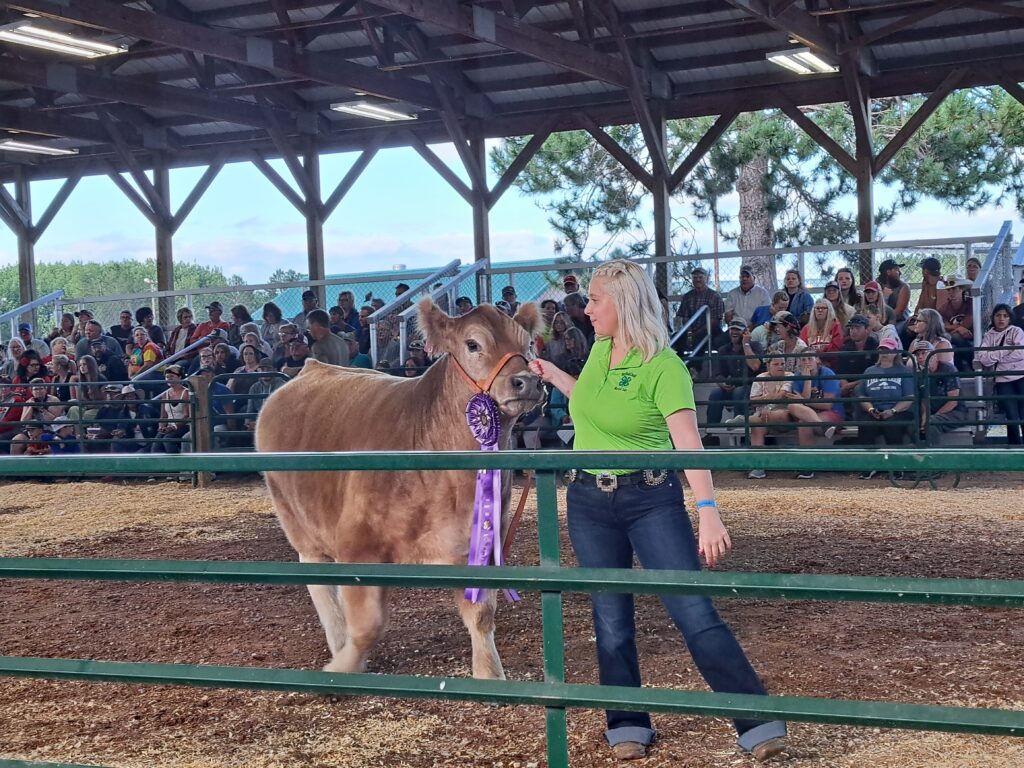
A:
x: 552, y: 374
x: 712, y: 538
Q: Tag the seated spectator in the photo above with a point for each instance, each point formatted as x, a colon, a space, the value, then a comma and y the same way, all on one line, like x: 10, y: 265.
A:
x: 327, y: 347
x: 205, y: 357
x: 253, y: 338
x: 1017, y: 314
x: 310, y: 301
x: 555, y: 344
x: 287, y: 333
x: 880, y: 331
x: 941, y: 411
x: 15, y: 349
x: 736, y: 363
x: 930, y: 328
x: 83, y: 316
x: 133, y: 421
x: 956, y: 309
x: 833, y: 295
x: 98, y: 434
x: 94, y: 332
x: 504, y: 306
x: 67, y: 330
x: 62, y: 440
x: 225, y: 359
x: 509, y: 296
x: 742, y: 300
x: 888, y: 389
x: 32, y: 442
x: 575, y: 306
x: 463, y: 305
x: 1007, y: 361
x: 822, y: 332
x: 763, y: 315
x: 144, y: 318
x: 356, y: 358
x: 800, y: 302
x: 62, y: 376
x: 31, y: 342
x: 181, y: 333
x: 143, y: 354
x: 87, y: 393
x: 59, y: 346
x: 769, y: 399
x: 789, y: 343
x: 175, y: 412
x: 215, y: 310
x: 337, y: 320
x: 111, y: 367
x: 29, y: 367
x: 364, y: 329
x: 298, y: 351
x: 123, y: 330
x: 272, y: 322
x: 857, y: 353
x: 701, y: 295
x: 40, y: 408
x: 260, y: 391
x: 410, y: 370
x: 818, y: 389
x: 418, y: 354
x: 222, y: 406
x: 349, y: 313
x: 241, y: 384
x: 548, y: 310
x: 239, y: 317
x: 872, y: 297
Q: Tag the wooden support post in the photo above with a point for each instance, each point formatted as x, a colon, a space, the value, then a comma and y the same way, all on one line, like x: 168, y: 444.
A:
x: 661, y: 191
x: 26, y: 248
x: 481, y: 216
x: 202, y: 429
x: 315, y: 225
x: 164, y: 242
x: 860, y: 106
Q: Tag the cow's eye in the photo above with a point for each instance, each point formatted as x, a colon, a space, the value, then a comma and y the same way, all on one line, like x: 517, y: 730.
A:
x: 472, y: 346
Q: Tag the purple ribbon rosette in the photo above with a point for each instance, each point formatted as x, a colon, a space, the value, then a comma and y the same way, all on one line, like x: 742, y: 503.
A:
x: 485, y: 539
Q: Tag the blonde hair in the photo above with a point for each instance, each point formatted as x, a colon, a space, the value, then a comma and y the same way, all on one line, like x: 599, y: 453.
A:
x: 637, y: 305
x: 821, y: 330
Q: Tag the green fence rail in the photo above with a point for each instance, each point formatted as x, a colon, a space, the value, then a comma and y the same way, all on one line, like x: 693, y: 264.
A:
x: 548, y: 578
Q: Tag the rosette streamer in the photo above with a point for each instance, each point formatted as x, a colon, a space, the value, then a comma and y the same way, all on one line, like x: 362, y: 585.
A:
x: 485, y: 539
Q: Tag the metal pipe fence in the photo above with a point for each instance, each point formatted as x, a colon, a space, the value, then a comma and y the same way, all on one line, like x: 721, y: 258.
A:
x: 548, y: 578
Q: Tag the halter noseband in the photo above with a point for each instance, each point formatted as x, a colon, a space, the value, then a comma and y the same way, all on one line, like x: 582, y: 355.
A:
x: 484, y: 385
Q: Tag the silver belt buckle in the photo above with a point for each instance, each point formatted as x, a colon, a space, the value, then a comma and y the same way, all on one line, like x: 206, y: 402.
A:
x: 655, y: 479
x: 607, y: 482
x: 570, y: 475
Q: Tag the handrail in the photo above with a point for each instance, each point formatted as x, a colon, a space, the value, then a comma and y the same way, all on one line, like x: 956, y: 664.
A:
x: 706, y: 341
x: 13, y: 315
x: 447, y: 288
x: 994, y: 253
x: 398, y: 301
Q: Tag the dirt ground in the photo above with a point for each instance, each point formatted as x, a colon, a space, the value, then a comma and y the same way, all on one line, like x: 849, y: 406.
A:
x: 835, y: 524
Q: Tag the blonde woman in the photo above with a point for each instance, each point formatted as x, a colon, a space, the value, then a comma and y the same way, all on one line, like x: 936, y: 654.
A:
x: 834, y: 295
x: 634, y: 393
x: 823, y: 334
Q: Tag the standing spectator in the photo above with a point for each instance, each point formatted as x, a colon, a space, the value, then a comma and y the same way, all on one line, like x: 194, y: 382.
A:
x: 1008, y: 363
x: 848, y: 287
x: 508, y: 295
x: 888, y: 389
x: 463, y: 305
x: 182, y: 332
x: 67, y: 330
x: 309, y: 303
x: 575, y: 307
x: 873, y: 297
x: 931, y: 272
x: 701, y: 296
x: 175, y: 413
x: 761, y: 329
x: 895, y: 292
x: 144, y: 317
x: 93, y: 333
x: 822, y: 332
x: 789, y: 343
x: 349, y: 313
x: 941, y: 408
x: 745, y: 298
x: 956, y: 308
x: 123, y: 330
x: 215, y: 311
x: 834, y: 296
x: 111, y: 367
x: 327, y: 347
x: 272, y: 322
x: 736, y: 363
x: 800, y: 301
x: 143, y: 354
x: 40, y: 346
x: 239, y: 317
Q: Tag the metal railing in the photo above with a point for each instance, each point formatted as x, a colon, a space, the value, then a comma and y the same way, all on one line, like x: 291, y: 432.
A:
x: 548, y: 578
x: 15, y: 316
x: 449, y: 290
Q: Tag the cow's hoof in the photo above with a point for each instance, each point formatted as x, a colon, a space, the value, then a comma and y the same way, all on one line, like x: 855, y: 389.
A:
x: 343, y: 665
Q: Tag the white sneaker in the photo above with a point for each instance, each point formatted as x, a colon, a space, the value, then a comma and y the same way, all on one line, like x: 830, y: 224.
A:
x: 830, y: 432
x: 735, y: 420
x: 757, y: 474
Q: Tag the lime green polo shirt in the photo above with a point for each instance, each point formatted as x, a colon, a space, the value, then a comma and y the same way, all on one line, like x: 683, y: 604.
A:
x: 624, y: 408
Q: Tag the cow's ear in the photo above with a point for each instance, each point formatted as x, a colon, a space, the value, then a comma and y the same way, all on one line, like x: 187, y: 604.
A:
x: 528, y: 316
x: 435, y: 326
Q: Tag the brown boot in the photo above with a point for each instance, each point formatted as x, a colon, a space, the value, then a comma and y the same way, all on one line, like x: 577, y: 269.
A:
x: 629, y: 750
x: 768, y: 749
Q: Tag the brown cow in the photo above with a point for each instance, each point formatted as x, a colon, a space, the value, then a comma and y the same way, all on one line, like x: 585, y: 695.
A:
x: 396, y: 517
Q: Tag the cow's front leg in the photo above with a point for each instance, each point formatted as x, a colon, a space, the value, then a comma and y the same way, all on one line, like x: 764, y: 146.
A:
x: 479, y: 620
x: 366, y: 615
x: 328, y: 608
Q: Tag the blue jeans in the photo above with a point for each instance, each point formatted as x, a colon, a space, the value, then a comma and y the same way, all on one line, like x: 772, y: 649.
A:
x: 719, y: 397
x: 606, y: 529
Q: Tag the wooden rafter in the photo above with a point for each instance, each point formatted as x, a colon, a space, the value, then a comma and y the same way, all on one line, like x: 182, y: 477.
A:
x: 521, y: 160
x: 821, y: 138
x: 133, y: 196
x: 701, y: 148
x: 899, y: 24
x: 196, y: 194
x: 614, y: 149
x: 17, y: 219
x: 1013, y: 88
x: 352, y: 176
x: 157, y: 204
x: 279, y: 183
x: 440, y: 167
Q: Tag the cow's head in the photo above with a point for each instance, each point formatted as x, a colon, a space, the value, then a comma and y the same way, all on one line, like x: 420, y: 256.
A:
x: 480, y: 342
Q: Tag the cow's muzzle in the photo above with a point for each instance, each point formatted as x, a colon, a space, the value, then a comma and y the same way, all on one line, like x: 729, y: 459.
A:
x: 527, y: 386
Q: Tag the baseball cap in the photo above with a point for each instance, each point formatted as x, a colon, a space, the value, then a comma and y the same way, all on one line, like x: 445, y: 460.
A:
x: 112, y: 388
x: 785, y: 318
x: 416, y: 344
x: 288, y: 328
x: 858, y: 319
x: 921, y: 345
x: 25, y: 327
x: 570, y: 278
x: 84, y: 313
x: 738, y: 322
x: 832, y: 284
x: 60, y: 423
x: 206, y: 369
x: 888, y: 264
x: 177, y: 370
x: 265, y: 364
x: 889, y: 343
x: 99, y: 342
x: 215, y: 305
x: 127, y: 389
x: 308, y: 295
x: 746, y: 268
x: 508, y: 290
x: 931, y: 264
x: 699, y: 271
x: 873, y: 286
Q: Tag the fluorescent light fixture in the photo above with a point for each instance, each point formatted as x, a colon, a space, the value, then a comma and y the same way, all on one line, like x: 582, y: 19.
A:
x: 13, y: 145
x: 372, y: 111
x: 25, y: 33
x: 802, y: 61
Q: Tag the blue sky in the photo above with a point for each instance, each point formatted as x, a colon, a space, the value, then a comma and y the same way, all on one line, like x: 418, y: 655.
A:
x: 399, y: 212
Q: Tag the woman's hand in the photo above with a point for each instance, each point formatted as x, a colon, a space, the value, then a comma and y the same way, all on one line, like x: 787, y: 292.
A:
x: 547, y: 370
x: 713, y: 540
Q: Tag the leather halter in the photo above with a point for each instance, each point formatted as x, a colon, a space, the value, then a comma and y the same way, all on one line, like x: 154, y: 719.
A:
x: 484, y: 385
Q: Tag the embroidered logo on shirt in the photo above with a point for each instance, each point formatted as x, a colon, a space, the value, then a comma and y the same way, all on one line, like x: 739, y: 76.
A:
x: 624, y: 382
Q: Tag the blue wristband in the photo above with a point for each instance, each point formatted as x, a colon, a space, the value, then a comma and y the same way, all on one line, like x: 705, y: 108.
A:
x: 706, y: 503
